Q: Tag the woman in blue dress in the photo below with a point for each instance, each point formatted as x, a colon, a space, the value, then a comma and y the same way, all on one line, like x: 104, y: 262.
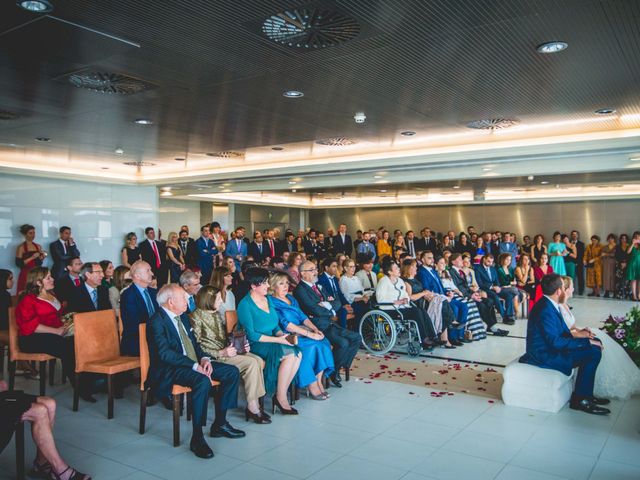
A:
x: 557, y: 251
x: 317, y: 359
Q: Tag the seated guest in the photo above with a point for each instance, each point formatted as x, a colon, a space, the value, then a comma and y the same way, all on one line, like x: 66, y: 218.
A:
x: 353, y: 290
x: 507, y: 279
x: 365, y: 273
x: 121, y: 280
x: 235, y: 272
x: 366, y: 247
x: 41, y: 413
x: 391, y: 290
x: 436, y: 306
x: 525, y: 279
x: 551, y: 345
x: 463, y: 245
x: 490, y: 284
x: 137, y: 305
x: 259, y: 319
x: 399, y: 245
x: 40, y: 328
x: 191, y: 285
x: 331, y: 289
x: 445, y: 245
x: 470, y: 274
x: 321, y: 311
x: 210, y: 330
x: 541, y: 269
x: 293, y: 270
x: 176, y: 358
x: 108, y: 270
x: 91, y: 295
x: 317, y: 360
x: 65, y: 284
x: 340, y: 258
x: 526, y: 245
x: 383, y: 245
x: 61, y: 251
x: 222, y: 280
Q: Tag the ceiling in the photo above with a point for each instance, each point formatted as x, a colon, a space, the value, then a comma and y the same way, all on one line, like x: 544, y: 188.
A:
x: 213, y: 82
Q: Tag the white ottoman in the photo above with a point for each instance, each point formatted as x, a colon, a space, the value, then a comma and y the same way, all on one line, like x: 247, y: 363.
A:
x: 536, y: 388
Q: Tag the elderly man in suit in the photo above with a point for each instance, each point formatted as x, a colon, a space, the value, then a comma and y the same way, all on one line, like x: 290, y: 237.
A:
x: 91, y: 296
x: 137, y: 305
x: 551, y: 345
x: 176, y: 358
x: 321, y: 310
x: 487, y: 279
x: 62, y: 250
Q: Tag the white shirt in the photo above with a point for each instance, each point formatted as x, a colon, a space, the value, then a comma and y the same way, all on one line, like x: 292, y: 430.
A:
x: 555, y: 304
x: 173, y: 316
x: 351, y: 288
x: 387, y: 292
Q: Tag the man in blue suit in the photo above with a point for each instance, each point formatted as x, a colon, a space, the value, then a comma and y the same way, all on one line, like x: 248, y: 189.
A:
x: 137, y: 305
x: 237, y: 248
x: 331, y: 289
x: 206, y: 253
x: 507, y: 245
x: 487, y: 279
x: 551, y: 345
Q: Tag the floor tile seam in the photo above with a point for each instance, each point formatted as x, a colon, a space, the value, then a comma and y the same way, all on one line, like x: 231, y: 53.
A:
x: 368, y: 460
x: 308, y: 476
x: 66, y: 442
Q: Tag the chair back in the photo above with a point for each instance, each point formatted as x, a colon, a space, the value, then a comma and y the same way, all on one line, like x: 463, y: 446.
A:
x: 95, y: 337
x: 231, y: 320
x: 120, y: 325
x: 14, y: 349
x: 144, y: 355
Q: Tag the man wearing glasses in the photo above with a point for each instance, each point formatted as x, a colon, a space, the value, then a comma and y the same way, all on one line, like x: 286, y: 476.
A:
x: 91, y: 295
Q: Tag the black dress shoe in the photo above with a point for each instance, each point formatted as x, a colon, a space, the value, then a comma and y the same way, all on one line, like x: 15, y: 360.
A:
x: 456, y: 343
x: 336, y: 380
x: 600, y: 401
x: 588, y: 406
x: 87, y: 397
x: 509, y: 321
x: 201, y: 449
x: 450, y: 347
x: 500, y: 333
x: 226, y: 430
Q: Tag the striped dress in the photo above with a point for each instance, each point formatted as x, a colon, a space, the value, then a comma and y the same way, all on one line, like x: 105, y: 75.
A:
x: 474, y: 324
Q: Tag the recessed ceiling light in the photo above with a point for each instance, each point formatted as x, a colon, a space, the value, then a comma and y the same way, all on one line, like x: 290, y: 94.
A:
x: 552, y: 47
x: 291, y: 182
x: 377, y: 176
x: 360, y: 117
x: 605, y: 111
x: 119, y: 151
x: 530, y: 177
x: 277, y: 148
x: 293, y: 94
x: 166, y: 193
x: 544, y: 182
x: 634, y: 159
x: 408, y: 133
x: 320, y: 194
x: 456, y: 187
x: 294, y: 190
x: 383, y: 191
x: 43, y: 139
x: 486, y: 169
x: 179, y: 159
x: 37, y: 6
x: 143, y: 121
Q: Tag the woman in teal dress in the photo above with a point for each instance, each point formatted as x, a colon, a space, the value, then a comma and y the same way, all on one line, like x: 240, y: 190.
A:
x: 317, y: 359
x: 258, y: 317
x: 570, y: 261
x: 557, y: 251
x: 633, y: 267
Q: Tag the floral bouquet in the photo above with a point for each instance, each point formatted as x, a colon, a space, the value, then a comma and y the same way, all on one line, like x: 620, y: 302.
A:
x: 67, y: 321
x: 626, y: 331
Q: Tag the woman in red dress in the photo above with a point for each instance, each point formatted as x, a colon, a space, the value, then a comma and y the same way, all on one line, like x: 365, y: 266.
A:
x: 28, y: 255
x: 541, y: 269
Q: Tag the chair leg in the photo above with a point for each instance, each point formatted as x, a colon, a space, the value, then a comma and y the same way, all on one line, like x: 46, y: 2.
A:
x: 176, y: 420
x: 20, y: 451
x: 3, y: 349
x: 189, y: 407
x: 12, y: 375
x: 52, y: 371
x: 143, y: 410
x: 43, y: 378
x: 110, y: 397
x: 76, y: 393
x: 346, y: 373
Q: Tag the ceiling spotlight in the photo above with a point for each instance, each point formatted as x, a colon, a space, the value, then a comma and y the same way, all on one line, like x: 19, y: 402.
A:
x: 360, y: 117
x: 408, y: 133
x: 294, y: 190
x: 605, y: 111
x: 104, y: 168
x: 456, y: 187
x: 166, y: 193
x: 291, y: 182
x: 634, y: 159
x: 36, y: 6
x: 552, y: 47
x: 277, y: 148
x: 530, y: 177
x: 119, y: 151
x: 143, y: 121
x: 544, y: 182
x: 377, y: 176
x: 180, y: 159
x: 383, y: 191
x: 486, y: 169
x: 43, y: 139
x: 293, y: 94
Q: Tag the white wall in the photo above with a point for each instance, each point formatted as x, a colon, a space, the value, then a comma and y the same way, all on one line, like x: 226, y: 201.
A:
x: 99, y: 215
x: 175, y: 213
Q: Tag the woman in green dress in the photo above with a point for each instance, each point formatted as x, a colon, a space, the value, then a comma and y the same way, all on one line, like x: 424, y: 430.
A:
x: 557, y: 251
x: 259, y: 319
x: 633, y: 267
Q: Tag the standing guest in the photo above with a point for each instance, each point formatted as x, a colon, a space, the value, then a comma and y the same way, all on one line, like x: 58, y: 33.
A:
x: 6, y: 284
x: 331, y: 289
x: 177, y: 262
x: 452, y: 239
x: 257, y: 249
x: 368, y: 279
x: 353, y: 290
x: 411, y: 242
x: 40, y: 327
x: 580, y: 248
x: 28, y: 255
x: 289, y: 243
x: 526, y: 245
x: 62, y: 250
x: 321, y: 252
x: 366, y: 247
x: 130, y: 253
x: 295, y: 260
x: 137, y: 305
x: 176, y: 358
x: 489, y: 282
x: 328, y: 242
x: 463, y: 245
x: 557, y: 250
x: 222, y: 280
x: 446, y: 245
x: 188, y: 249
x: 270, y: 243
x: 121, y: 280
x: 383, y: 245
x: 107, y: 270
x: 507, y: 281
x: 257, y: 315
x: 426, y: 242
x: 311, y: 246
x: 593, y: 263
x: 342, y: 242
x: 399, y: 246
x: 358, y: 240
x: 91, y: 296
x: 541, y: 269
x: 633, y: 267
x: 154, y: 253
x: 237, y: 248
x: 317, y: 360
x: 65, y: 285
x: 206, y: 251
x: 210, y: 330
x: 508, y: 245
x: 571, y: 258
x: 218, y: 240
x: 623, y: 289
x: 537, y: 249
x: 525, y: 278
x: 609, y: 266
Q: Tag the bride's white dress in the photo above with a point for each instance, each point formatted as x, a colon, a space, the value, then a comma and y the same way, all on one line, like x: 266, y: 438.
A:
x: 617, y: 375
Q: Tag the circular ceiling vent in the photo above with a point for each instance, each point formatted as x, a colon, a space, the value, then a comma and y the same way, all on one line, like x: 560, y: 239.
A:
x: 7, y: 115
x: 139, y: 164
x: 493, y: 123
x: 226, y: 154
x: 337, y: 141
x: 308, y: 28
x: 108, y: 82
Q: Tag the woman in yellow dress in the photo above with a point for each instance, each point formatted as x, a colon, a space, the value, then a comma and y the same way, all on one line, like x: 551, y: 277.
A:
x: 593, y: 263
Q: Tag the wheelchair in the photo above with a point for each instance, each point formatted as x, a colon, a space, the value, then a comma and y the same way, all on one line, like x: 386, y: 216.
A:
x: 383, y: 330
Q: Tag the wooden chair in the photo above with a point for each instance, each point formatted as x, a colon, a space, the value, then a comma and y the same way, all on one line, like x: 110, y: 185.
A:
x: 231, y: 320
x: 98, y: 351
x: 15, y: 355
x: 177, y: 391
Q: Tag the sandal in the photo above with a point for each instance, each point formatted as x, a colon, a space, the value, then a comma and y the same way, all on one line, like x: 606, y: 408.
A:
x: 40, y: 470
x: 75, y: 475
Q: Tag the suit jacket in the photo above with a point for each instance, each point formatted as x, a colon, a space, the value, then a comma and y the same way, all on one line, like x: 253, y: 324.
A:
x: 495, y: 249
x: 460, y: 282
x: 415, y: 246
x: 329, y: 247
x: 549, y: 341
x: 430, y: 280
x: 512, y: 249
x: 580, y: 253
x: 364, y: 278
x: 64, y: 288
x: 190, y: 254
x: 428, y: 243
x: 259, y: 251
x: 146, y: 252
x: 233, y: 251
x: 339, y: 246
x: 330, y: 290
x: 486, y: 280
x: 165, y: 352
x: 312, y: 250
x: 60, y: 258
x: 133, y: 311
x: 80, y: 300
x: 309, y: 303
x: 205, y: 250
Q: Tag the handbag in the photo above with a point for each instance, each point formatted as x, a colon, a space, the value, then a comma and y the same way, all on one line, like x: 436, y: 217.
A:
x: 238, y: 341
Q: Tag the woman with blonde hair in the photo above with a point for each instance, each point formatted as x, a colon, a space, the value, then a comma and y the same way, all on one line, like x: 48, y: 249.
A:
x: 176, y: 259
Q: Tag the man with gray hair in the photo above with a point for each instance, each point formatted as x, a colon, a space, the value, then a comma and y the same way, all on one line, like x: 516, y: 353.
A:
x: 176, y: 358
x: 91, y: 295
x: 137, y: 305
x: 191, y: 284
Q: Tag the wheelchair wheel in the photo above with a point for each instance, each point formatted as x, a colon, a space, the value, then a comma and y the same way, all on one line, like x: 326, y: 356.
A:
x: 414, y: 348
x: 378, y: 332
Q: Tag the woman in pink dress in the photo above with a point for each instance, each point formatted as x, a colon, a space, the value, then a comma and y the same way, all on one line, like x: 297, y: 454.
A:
x: 28, y: 255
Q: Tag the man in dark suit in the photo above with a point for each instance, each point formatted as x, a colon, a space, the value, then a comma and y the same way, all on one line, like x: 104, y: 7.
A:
x: 342, y: 242
x: 206, y: 251
x: 155, y: 254
x: 575, y: 239
x: 188, y: 247
x: 321, y: 252
x: 331, y: 290
x: 321, y: 312
x: 311, y: 246
x: 61, y: 251
x: 484, y: 303
x: 487, y: 279
x: 426, y: 242
x: 258, y: 249
x: 550, y: 344
x: 91, y: 296
x: 66, y: 284
x: 176, y: 358
x: 270, y: 242
x: 328, y: 242
x: 137, y: 305
x: 411, y: 243
x: 287, y: 245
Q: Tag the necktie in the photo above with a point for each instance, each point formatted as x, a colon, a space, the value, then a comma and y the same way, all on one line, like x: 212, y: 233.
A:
x: 64, y: 247
x: 273, y: 252
x: 94, y: 298
x: 317, y: 290
x: 411, y: 252
x: 147, y: 300
x: 370, y: 279
x: 192, y: 304
x: 76, y: 282
x: 186, y: 341
x: 239, y: 242
x: 462, y: 273
x: 155, y: 251
x: 183, y: 247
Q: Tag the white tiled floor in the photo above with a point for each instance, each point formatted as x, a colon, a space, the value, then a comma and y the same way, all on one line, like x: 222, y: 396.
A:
x: 367, y: 431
